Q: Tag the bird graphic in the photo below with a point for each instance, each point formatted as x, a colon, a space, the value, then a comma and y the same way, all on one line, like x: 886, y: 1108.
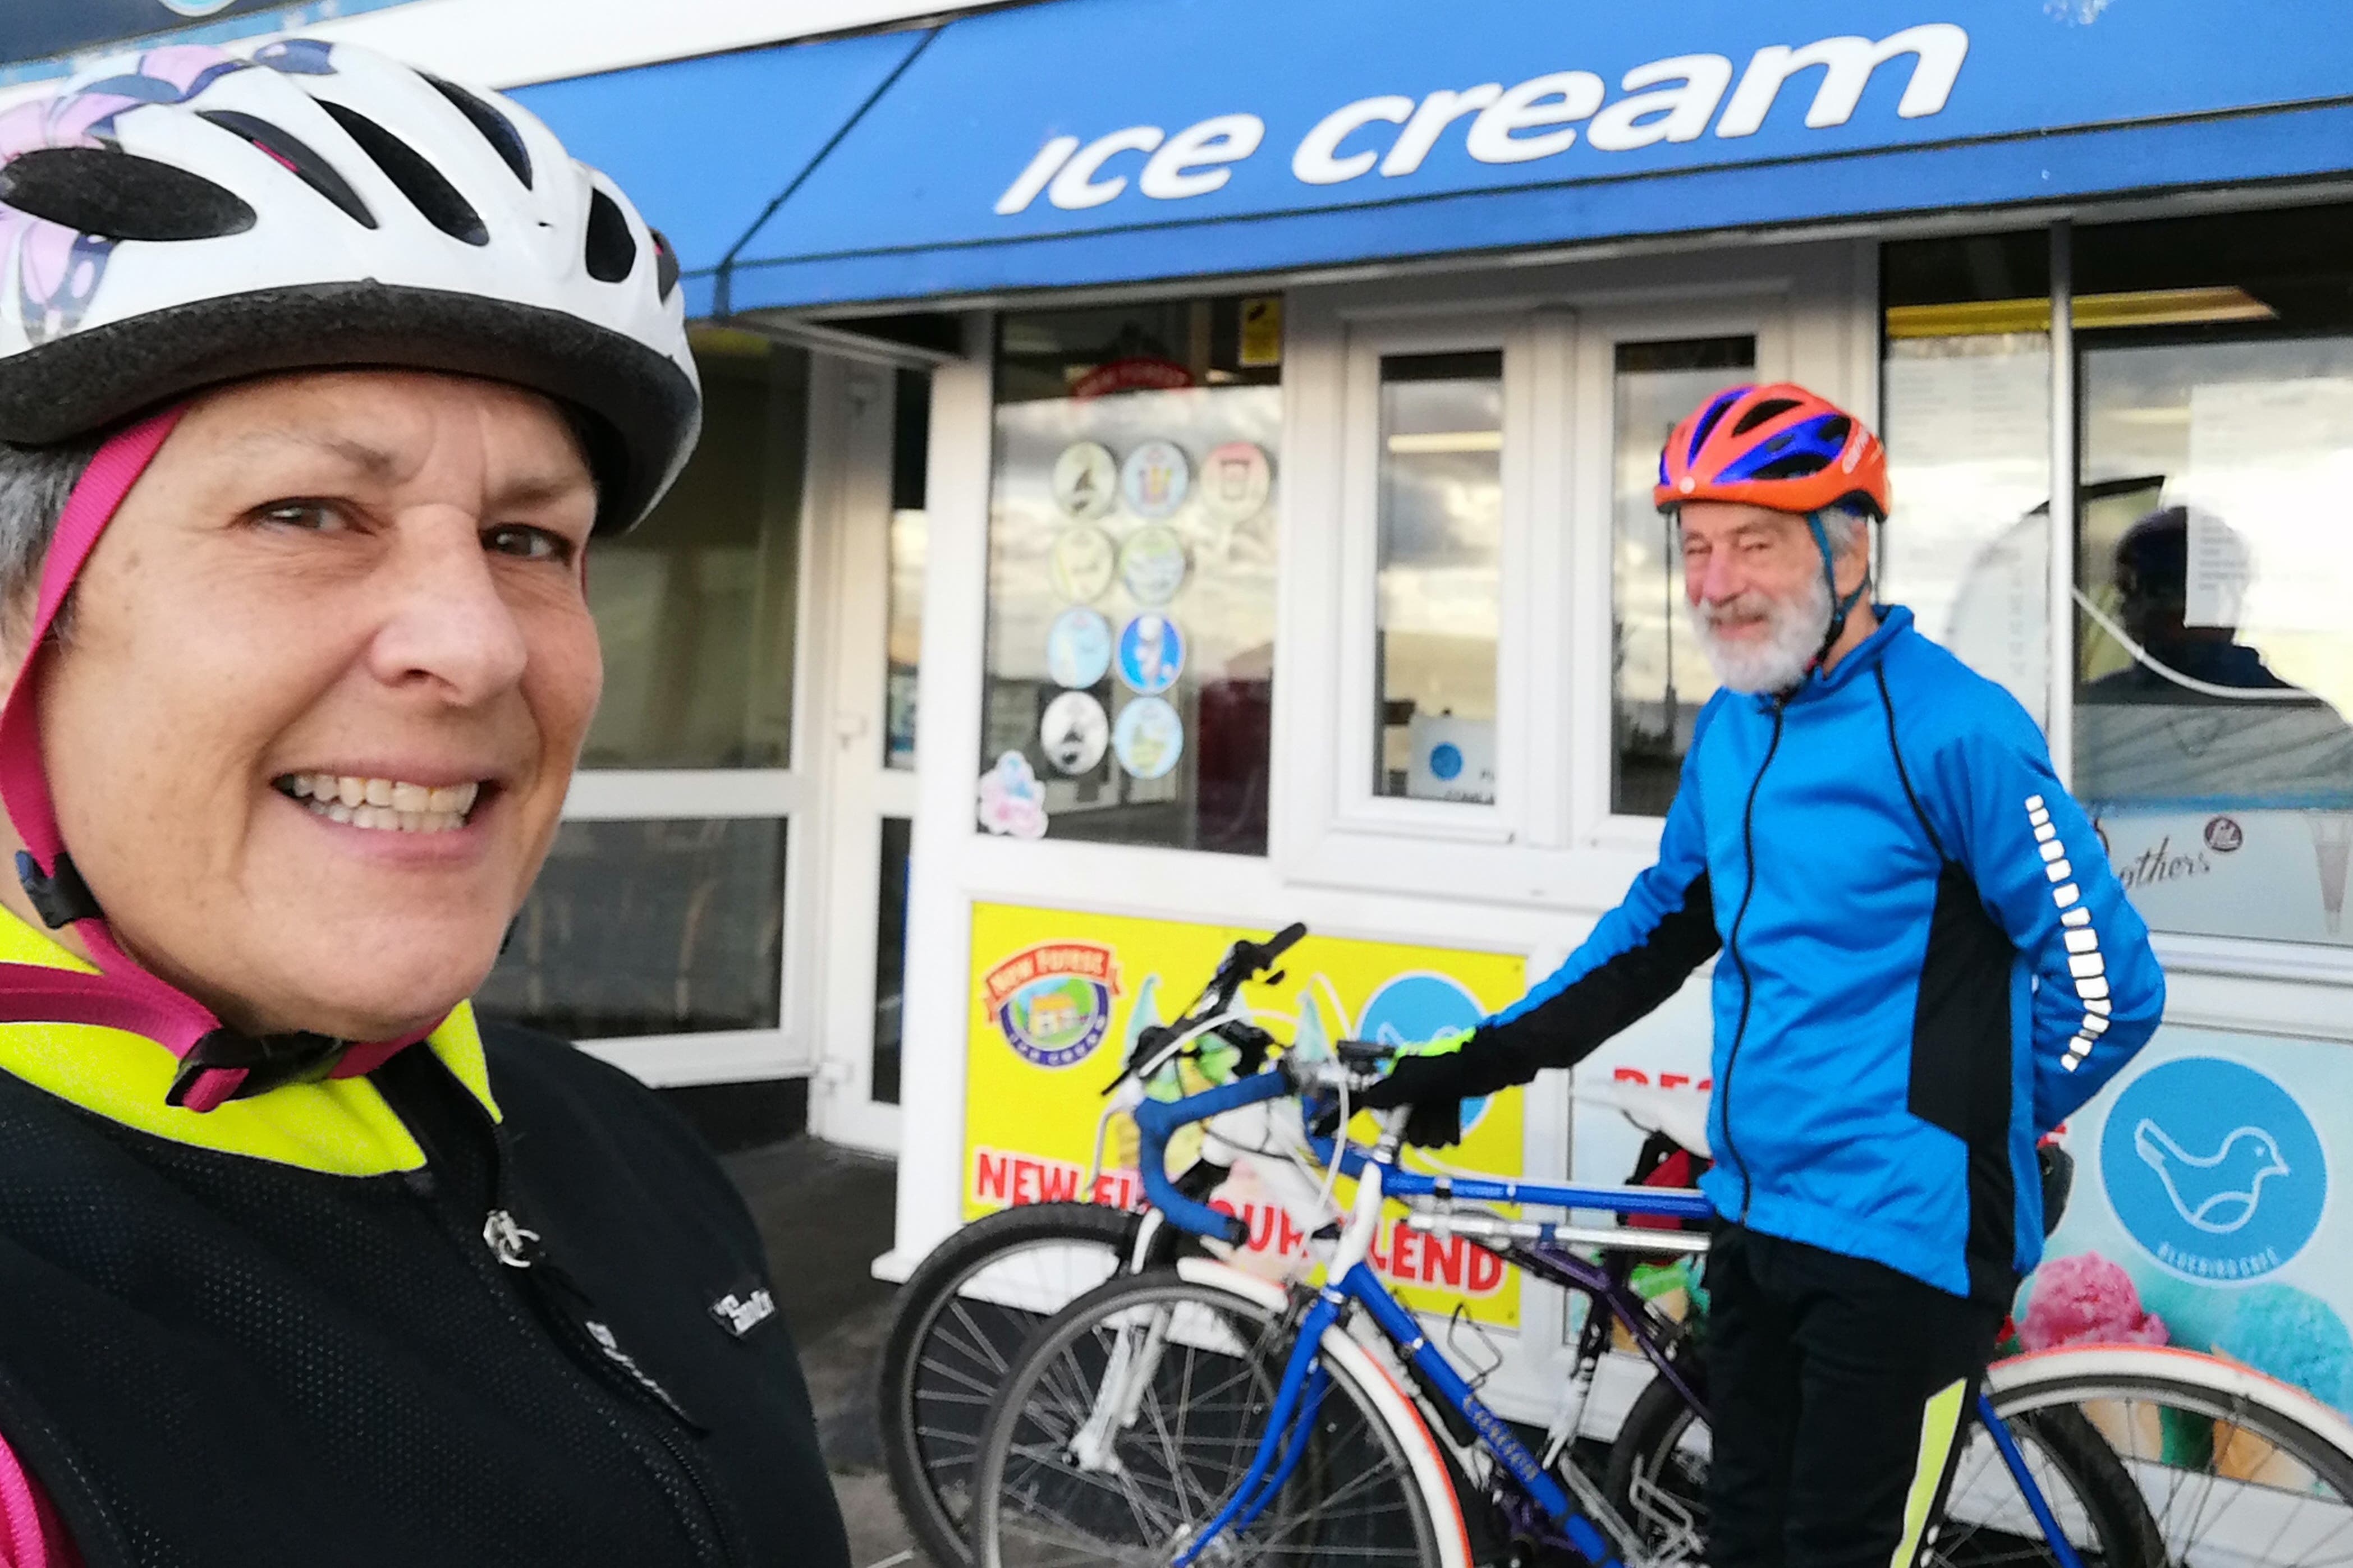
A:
x: 2217, y: 1192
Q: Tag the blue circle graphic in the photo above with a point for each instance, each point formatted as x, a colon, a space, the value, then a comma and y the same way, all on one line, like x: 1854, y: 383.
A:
x: 1410, y: 1008
x: 1151, y: 654
x: 1446, y: 760
x: 2215, y: 1169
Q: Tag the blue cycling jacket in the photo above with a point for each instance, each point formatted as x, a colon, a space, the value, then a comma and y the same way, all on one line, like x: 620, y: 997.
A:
x: 1926, y: 962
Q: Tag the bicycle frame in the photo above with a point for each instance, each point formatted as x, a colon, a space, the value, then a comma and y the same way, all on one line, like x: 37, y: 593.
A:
x: 1351, y: 1281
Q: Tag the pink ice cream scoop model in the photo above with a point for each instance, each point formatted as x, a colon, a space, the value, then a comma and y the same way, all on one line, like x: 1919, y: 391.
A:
x: 2086, y: 1300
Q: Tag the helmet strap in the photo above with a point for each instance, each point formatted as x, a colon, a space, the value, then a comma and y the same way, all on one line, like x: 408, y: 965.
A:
x: 1842, y: 606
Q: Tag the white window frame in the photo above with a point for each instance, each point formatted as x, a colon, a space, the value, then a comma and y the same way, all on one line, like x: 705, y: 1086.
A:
x: 1549, y: 842
x: 1763, y: 316
x: 1356, y: 803
x: 790, y: 794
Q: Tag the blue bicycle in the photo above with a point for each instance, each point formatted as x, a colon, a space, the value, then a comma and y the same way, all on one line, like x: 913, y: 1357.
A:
x: 1201, y: 1415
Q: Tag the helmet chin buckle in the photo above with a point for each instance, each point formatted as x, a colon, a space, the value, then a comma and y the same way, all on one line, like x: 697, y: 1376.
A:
x: 61, y: 897
x: 267, y: 1061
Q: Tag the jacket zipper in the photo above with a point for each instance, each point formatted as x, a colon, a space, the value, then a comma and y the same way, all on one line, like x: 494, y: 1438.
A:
x: 601, y: 1365
x: 1732, y: 944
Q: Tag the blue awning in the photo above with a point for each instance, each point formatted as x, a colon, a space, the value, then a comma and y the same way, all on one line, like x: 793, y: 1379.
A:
x: 1100, y: 141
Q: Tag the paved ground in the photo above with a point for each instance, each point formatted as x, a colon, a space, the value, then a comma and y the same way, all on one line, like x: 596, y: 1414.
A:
x: 825, y: 1215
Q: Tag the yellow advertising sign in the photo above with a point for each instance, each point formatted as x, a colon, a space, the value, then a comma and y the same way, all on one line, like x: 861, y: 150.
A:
x: 1056, y: 998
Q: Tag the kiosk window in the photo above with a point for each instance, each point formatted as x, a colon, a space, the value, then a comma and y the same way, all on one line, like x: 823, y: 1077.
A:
x: 672, y: 926
x: 1659, y: 678
x: 2214, y: 669
x: 696, y: 608
x: 1966, y: 413
x: 1129, y: 681
x: 1437, y: 605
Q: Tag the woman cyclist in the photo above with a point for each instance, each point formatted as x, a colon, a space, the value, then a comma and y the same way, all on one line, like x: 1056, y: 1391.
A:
x: 318, y: 378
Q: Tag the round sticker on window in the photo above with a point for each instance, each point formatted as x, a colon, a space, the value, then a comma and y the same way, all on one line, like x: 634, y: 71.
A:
x: 1078, y: 648
x: 1086, y: 481
x: 1153, y: 565
x: 1074, y: 733
x: 1149, y: 737
x: 1083, y: 562
x: 1154, y: 479
x: 1234, y: 481
x: 1151, y: 654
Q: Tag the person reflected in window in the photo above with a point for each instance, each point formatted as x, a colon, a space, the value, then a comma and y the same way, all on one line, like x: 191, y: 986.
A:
x: 2152, y: 582
x: 2195, y: 715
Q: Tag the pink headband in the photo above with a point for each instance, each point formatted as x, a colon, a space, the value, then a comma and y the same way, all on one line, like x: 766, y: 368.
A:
x: 123, y: 995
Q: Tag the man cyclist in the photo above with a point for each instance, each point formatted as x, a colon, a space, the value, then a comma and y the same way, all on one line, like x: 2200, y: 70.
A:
x: 1924, y: 963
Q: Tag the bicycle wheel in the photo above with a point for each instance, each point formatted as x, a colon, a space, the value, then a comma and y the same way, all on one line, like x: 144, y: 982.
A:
x: 2231, y: 1467
x: 961, y: 1319
x: 1133, y: 1416
x: 1658, y: 1481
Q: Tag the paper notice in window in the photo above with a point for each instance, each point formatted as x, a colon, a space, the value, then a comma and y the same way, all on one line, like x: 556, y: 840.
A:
x: 2270, y: 491
x: 2220, y: 573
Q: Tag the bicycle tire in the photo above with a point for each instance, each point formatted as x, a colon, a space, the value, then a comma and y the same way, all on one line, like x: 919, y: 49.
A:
x: 1357, y: 1497
x: 1657, y: 1483
x: 2274, y: 1453
x: 928, y: 1397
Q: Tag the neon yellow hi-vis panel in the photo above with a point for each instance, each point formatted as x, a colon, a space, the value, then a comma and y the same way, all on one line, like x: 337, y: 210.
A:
x: 341, y: 1127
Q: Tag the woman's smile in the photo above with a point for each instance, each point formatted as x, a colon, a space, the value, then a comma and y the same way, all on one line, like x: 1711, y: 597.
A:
x: 383, y: 804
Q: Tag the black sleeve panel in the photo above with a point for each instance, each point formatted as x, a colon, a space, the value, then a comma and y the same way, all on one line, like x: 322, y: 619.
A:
x: 1570, y: 1025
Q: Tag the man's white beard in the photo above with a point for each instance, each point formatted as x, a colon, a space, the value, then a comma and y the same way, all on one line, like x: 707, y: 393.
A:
x: 1781, y: 659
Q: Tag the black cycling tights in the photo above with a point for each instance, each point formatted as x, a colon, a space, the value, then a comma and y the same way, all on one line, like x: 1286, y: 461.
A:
x: 1837, y: 1389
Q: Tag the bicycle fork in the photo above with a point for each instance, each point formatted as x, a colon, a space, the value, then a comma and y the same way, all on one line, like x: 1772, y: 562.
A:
x: 2005, y: 1442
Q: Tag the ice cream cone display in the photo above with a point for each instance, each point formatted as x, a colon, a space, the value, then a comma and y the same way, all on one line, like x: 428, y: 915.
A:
x: 2242, y: 1455
x: 2086, y: 1299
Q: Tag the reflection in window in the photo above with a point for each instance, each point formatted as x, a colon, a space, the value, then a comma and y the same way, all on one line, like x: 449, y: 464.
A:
x: 696, y: 606
x: 1441, y: 524
x: 1966, y: 394
x: 909, y: 459
x: 1659, y: 678
x: 2214, y: 663
x: 663, y: 927
x: 1129, y: 681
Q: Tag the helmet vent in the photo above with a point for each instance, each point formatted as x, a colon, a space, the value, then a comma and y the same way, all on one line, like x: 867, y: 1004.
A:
x: 665, y: 264
x: 297, y: 156
x: 496, y: 128
x: 116, y: 195
x: 1771, y: 408
x: 419, y: 181
x: 1796, y: 465
x: 612, y: 249
x: 1708, y: 421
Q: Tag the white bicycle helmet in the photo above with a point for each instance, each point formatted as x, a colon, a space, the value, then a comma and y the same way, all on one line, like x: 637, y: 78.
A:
x: 182, y: 217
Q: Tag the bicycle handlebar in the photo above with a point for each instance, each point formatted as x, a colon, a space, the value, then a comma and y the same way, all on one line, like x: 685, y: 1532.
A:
x: 1250, y: 959
x: 1157, y: 1120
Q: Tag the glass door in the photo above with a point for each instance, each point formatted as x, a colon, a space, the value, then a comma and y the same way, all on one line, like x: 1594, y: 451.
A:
x: 657, y: 935
x: 877, y: 537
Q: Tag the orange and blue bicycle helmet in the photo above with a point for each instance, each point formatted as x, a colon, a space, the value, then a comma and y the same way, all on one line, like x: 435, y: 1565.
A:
x: 1780, y: 446
x: 1784, y: 448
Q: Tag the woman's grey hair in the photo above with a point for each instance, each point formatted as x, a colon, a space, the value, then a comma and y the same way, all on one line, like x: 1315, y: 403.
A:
x: 34, y: 484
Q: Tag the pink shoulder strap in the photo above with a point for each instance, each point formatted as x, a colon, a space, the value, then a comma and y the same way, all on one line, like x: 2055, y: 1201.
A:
x: 30, y: 1533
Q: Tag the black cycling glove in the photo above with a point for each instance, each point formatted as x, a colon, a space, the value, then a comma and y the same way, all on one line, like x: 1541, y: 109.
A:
x: 1436, y: 1087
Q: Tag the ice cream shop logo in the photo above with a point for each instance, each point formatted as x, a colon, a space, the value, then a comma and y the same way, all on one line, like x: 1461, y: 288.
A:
x: 1054, y: 1000
x: 2215, y: 1169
